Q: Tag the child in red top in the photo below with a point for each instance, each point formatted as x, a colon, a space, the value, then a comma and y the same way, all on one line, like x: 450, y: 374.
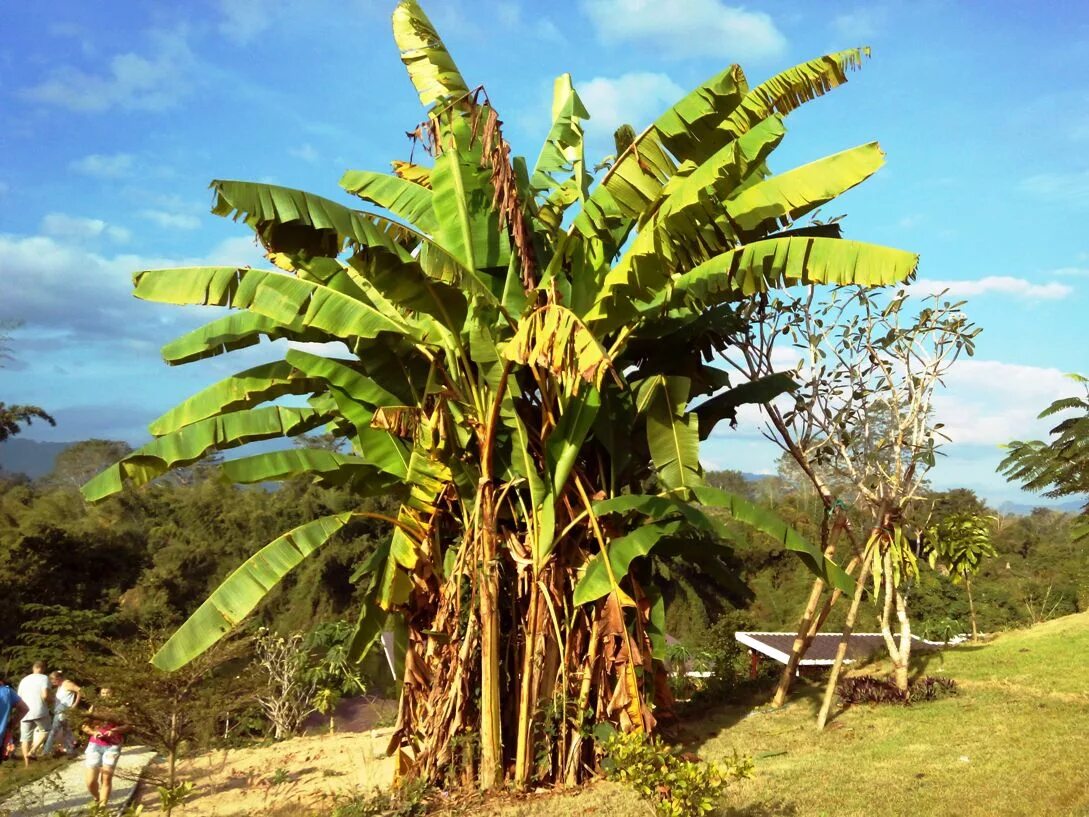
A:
x: 107, y: 734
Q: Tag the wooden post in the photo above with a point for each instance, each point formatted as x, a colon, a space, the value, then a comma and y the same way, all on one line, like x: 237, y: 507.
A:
x: 754, y: 664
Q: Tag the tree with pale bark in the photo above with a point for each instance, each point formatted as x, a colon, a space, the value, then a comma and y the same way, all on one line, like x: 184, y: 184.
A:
x: 861, y: 426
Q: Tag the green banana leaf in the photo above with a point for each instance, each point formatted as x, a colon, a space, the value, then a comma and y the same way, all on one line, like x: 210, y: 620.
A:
x: 430, y: 66
x: 781, y: 262
x: 561, y: 164
x: 237, y: 330
x: 404, y: 199
x: 672, y: 434
x: 595, y: 583
x: 280, y: 297
x: 189, y: 444
x: 327, y: 467
x: 658, y: 507
x: 772, y: 525
x: 243, y: 590
x: 785, y: 197
x: 243, y: 390
x: 467, y: 223
x: 294, y: 221
x: 792, y: 88
x: 724, y: 406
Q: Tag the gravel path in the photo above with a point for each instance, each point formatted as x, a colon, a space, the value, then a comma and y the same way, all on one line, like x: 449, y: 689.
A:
x: 65, y: 788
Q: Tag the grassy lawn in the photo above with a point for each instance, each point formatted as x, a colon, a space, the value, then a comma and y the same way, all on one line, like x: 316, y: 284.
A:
x: 13, y: 774
x: 1012, y: 743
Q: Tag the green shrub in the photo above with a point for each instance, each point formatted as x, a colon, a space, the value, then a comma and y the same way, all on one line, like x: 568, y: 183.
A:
x: 675, y: 785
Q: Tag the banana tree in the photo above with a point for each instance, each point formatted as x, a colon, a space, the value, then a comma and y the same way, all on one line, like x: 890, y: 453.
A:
x: 527, y: 365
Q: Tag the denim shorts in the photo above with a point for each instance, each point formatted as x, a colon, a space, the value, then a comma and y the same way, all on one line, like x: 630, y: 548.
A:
x: 28, y: 728
x: 105, y: 756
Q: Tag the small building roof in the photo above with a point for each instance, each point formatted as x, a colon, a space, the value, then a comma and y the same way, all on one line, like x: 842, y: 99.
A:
x: 822, y: 650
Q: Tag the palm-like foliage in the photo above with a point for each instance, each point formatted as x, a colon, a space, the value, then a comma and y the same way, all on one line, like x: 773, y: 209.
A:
x: 528, y: 356
x: 1060, y: 467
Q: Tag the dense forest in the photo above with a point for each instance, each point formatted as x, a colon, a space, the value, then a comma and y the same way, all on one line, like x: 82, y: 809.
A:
x: 146, y: 559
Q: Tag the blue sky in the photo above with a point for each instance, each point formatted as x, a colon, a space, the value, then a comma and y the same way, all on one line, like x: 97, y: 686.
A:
x: 118, y: 114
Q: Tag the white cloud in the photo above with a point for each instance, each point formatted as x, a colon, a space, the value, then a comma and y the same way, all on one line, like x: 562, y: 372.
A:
x: 129, y: 81
x: 1069, y: 186
x: 1000, y: 284
x: 171, y: 221
x: 688, y: 28
x: 77, y: 228
x: 988, y: 402
x: 104, y: 166
x: 59, y: 285
x: 1071, y: 272
x: 244, y: 19
x: 636, y: 99
x: 306, y: 152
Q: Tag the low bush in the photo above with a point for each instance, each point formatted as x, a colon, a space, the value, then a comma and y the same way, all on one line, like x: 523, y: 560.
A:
x: 677, y: 786
x: 409, y: 799
x: 929, y: 688
x: 868, y: 689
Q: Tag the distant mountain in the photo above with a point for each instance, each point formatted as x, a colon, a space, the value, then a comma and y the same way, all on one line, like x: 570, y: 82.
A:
x: 30, y: 457
x: 1024, y: 509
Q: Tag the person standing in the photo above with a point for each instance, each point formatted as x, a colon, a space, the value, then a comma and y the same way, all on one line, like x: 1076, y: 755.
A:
x: 106, y: 730
x: 10, y: 705
x: 34, y: 727
x: 66, y: 696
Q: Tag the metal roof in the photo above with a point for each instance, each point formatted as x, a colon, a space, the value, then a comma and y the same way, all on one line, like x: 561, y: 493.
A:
x: 822, y: 651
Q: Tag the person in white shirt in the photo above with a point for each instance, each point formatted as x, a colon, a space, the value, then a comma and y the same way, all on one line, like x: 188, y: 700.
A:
x: 34, y: 727
x: 66, y: 695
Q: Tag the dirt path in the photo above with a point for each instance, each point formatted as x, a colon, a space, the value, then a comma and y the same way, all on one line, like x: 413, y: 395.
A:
x: 65, y: 789
x: 297, y: 776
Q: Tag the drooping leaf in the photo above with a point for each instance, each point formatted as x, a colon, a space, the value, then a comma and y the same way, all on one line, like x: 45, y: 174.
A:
x: 243, y: 390
x: 327, y: 468
x: 243, y: 590
x: 293, y: 221
x: 595, y: 583
x: 658, y: 508
x: 724, y: 406
x: 237, y: 330
x: 191, y: 443
x: 280, y: 297
x: 403, y: 198
x: 769, y: 523
x: 781, y: 262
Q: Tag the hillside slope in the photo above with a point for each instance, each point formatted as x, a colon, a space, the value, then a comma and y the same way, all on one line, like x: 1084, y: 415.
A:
x: 1011, y: 744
